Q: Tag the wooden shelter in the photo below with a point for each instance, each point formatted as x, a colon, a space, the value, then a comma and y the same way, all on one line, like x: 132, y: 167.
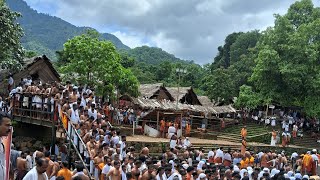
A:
x: 205, y: 101
x: 155, y: 91
x: 184, y: 95
x: 157, y: 102
x: 39, y: 68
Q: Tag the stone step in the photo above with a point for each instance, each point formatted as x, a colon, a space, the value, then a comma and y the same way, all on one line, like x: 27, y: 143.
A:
x: 229, y: 139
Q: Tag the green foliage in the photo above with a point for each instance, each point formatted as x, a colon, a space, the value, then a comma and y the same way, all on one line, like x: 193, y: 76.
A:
x: 46, y: 34
x: 151, y: 65
x: 288, y: 69
x: 218, y: 85
x: 126, y: 61
x: 247, y: 98
x: 223, y: 57
x: 152, y: 55
x: 95, y: 62
x: 30, y: 54
x: 11, y: 52
x: 232, y: 67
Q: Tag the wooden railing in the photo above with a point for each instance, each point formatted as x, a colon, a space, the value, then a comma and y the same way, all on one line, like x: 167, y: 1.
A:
x: 46, y: 114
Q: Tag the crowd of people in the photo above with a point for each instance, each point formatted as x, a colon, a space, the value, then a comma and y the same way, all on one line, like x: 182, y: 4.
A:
x: 285, y: 124
x: 87, y: 120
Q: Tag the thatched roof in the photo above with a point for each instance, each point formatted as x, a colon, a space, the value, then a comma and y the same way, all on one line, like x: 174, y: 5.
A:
x: 148, y: 90
x: 182, y: 91
x: 224, y: 109
x: 170, y: 105
x: 31, y: 61
x: 205, y: 101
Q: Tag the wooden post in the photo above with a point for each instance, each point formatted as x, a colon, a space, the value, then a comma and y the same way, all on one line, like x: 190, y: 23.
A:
x: 158, y: 120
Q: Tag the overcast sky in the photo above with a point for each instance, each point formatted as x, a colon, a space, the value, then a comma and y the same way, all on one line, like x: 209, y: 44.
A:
x: 189, y: 29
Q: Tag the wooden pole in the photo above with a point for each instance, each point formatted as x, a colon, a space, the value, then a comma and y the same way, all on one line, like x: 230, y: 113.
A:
x: 158, y: 114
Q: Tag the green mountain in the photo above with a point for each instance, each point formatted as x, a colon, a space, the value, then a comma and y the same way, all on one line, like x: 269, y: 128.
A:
x: 153, y: 55
x: 46, y: 34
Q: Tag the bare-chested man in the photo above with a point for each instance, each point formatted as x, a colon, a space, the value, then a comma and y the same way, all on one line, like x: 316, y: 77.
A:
x: 264, y: 160
x: 21, y: 166
x: 80, y: 172
x: 50, y: 169
x: 115, y: 172
x: 84, y: 117
x: 73, y: 96
x: 97, y: 161
x: 149, y: 174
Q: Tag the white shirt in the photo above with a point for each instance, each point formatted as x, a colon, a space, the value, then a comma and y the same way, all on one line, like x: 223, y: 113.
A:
x: 94, y: 113
x: 123, y: 175
x: 294, y: 155
x: 164, y: 177
x: 171, y: 129
x: 186, y: 143
x: 175, y: 174
x: 173, y: 143
x: 33, y: 175
x: 227, y: 156
x: 106, y: 168
x: 115, y: 140
x: 314, y: 157
x: 219, y: 153
x: 29, y: 162
x: 75, y: 118
x: 210, y: 154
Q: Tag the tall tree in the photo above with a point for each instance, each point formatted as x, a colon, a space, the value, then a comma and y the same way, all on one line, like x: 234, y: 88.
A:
x: 11, y: 52
x: 223, y: 57
x: 232, y: 67
x: 96, y: 62
x: 219, y: 85
x: 288, y: 68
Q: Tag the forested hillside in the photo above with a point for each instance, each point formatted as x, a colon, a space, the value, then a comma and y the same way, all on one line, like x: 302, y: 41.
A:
x: 153, y: 55
x: 46, y: 34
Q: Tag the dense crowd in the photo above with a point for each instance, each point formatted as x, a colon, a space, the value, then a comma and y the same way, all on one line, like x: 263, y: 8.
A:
x: 88, y: 120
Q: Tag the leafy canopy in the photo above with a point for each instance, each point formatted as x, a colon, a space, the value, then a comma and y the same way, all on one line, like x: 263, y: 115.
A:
x: 287, y: 68
x: 11, y: 52
x: 89, y: 60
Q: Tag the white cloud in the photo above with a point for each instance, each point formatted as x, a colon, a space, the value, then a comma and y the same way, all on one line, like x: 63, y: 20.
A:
x: 131, y: 40
x: 190, y: 29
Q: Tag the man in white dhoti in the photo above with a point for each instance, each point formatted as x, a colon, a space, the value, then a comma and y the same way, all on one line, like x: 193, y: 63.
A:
x: 39, y: 171
x: 186, y: 143
x: 171, y: 130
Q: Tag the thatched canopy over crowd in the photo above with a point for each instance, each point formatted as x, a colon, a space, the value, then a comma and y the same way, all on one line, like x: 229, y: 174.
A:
x: 158, y: 97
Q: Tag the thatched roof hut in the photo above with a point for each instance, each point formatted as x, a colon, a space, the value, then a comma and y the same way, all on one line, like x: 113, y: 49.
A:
x: 39, y: 68
x: 205, y: 101
x: 155, y: 91
x: 148, y: 90
x: 185, y: 95
x: 153, y: 104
